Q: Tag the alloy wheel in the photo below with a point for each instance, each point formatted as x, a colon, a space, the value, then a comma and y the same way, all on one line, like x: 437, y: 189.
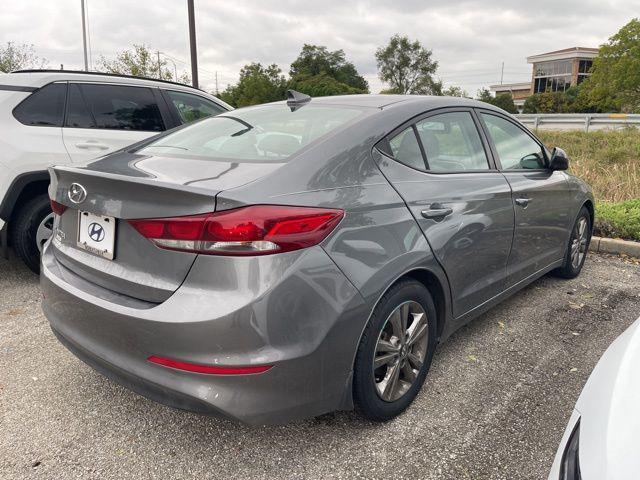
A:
x: 579, y: 243
x: 44, y: 232
x: 400, y: 351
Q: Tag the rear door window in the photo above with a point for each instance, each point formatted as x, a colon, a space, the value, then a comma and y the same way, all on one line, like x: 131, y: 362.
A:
x: 452, y: 143
x: 114, y: 107
x: 44, y: 107
x: 78, y: 114
x: 406, y: 149
x: 193, y: 107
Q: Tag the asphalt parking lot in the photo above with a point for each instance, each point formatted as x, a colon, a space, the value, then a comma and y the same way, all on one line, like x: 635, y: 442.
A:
x: 494, y: 405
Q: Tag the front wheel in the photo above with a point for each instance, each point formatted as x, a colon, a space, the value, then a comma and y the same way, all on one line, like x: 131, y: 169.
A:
x: 578, y: 247
x: 395, y: 351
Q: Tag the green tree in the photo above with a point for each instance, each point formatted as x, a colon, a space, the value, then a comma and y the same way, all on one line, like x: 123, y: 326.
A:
x: 454, y: 92
x: 502, y: 100
x: 614, y: 83
x: 531, y: 104
x: 140, y: 61
x: 576, y: 101
x: 407, y: 67
x: 318, y: 60
x: 571, y: 100
x: 257, y: 84
x: 321, y: 85
x: 19, y: 57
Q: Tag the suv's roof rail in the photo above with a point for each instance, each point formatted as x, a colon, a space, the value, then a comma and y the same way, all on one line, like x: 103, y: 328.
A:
x: 82, y: 72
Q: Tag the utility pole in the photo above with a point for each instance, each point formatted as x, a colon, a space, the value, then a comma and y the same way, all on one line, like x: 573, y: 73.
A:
x: 84, y: 37
x: 217, y: 91
x: 502, y: 73
x: 159, y: 67
x: 192, y: 44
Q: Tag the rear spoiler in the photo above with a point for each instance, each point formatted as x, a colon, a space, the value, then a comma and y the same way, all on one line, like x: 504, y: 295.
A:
x: 129, y: 197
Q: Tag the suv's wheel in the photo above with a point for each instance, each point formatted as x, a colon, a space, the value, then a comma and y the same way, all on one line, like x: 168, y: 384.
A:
x: 578, y: 247
x: 395, y: 351
x: 30, y: 228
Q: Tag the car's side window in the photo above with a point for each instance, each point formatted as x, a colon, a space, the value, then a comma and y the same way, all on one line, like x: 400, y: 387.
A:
x: 113, y: 107
x: 44, y: 107
x: 193, y: 107
x: 515, y: 148
x: 452, y: 143
x: 78, y: 114
x: 406, y: 149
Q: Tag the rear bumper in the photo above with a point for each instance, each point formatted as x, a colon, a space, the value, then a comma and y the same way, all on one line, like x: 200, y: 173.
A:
x: 152, y: 391
x: 294, y: 311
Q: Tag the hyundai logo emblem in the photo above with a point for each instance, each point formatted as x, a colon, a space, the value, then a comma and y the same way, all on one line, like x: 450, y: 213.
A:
x: 96, y: 232
x: 77, y: 193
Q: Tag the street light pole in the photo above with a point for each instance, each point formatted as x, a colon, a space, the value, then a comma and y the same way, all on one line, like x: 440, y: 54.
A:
x: 192, y: 44
x: 84, y: 37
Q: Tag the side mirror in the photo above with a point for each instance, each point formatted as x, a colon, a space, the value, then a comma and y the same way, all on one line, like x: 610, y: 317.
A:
x: 559, y: 159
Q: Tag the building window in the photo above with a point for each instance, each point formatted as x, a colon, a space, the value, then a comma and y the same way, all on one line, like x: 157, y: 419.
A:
x: 552, y: 76
x: 551, y: 84
x: 547, y: 69
x: 585, y: 66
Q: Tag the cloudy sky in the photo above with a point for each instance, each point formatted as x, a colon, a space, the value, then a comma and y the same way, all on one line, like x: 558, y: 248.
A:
x: 470, y: 39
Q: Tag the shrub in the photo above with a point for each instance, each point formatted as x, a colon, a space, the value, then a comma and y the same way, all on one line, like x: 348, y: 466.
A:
x: 620, y: 219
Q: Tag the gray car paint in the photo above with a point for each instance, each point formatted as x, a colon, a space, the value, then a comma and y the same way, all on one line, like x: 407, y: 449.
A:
x: 302, y: 311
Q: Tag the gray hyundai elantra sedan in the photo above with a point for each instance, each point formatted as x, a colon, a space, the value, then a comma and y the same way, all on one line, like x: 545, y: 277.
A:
x: 286, y: 260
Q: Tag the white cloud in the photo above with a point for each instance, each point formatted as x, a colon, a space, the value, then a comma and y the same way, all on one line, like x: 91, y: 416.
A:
x: 469, y: 38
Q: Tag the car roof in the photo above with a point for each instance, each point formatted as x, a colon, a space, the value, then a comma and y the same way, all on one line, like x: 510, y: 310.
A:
x: 382, y: 101
x: 39, y: 78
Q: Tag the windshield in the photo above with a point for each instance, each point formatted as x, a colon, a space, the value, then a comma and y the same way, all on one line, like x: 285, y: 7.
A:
x: 264, y: 133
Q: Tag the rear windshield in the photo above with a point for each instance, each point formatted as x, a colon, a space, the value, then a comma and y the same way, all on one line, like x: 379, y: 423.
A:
x: 264, y: 133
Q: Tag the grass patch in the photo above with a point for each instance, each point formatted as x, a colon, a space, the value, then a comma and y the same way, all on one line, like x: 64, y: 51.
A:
x: 609, y: 160
x: 618, y: 220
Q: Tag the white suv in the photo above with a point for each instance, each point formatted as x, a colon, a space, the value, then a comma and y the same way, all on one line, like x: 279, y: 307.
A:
x: 63, y: 117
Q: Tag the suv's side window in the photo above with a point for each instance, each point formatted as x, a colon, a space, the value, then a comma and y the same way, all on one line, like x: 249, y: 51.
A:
x: 113, y: 107
x: 452, y: 143
x: 78, y: 114
x: 44, y: 107
x: 406, y: 150
x: 515, y: 148
x: 192, y: 107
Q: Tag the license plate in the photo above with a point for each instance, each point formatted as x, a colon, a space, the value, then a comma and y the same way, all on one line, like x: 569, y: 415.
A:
x: 96, y: 234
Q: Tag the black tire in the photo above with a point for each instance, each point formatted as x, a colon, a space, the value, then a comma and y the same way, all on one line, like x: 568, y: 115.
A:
x: 368, y: 400
x: 569, y: 268
x: 23, y: 229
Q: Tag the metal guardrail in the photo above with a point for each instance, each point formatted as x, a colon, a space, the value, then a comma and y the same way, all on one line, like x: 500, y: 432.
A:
x: 578, y: 121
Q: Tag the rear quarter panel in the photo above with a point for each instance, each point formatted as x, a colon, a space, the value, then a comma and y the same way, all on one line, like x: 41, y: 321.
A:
x: 25, y: 148
x: 378, y: 240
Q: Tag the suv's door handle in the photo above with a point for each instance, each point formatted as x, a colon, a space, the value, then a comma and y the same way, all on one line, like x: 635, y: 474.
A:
x: 522, y: 202
x: 90, y: 145
x: 436, y: 211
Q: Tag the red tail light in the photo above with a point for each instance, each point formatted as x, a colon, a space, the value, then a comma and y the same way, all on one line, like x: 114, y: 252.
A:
x: 254, y: 230
x: 58, y: 208
x: 208, y: 369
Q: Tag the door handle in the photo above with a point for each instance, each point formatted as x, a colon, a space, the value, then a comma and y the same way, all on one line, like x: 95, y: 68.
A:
x: 90, y: 145
x: 522, y: 202
x: 436, y: 211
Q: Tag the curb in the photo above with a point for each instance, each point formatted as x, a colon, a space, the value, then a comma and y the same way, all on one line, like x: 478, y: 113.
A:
x: 615, y: 245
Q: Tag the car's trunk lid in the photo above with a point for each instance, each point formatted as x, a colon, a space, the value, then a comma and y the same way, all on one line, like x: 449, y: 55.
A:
x: 124, y: 189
